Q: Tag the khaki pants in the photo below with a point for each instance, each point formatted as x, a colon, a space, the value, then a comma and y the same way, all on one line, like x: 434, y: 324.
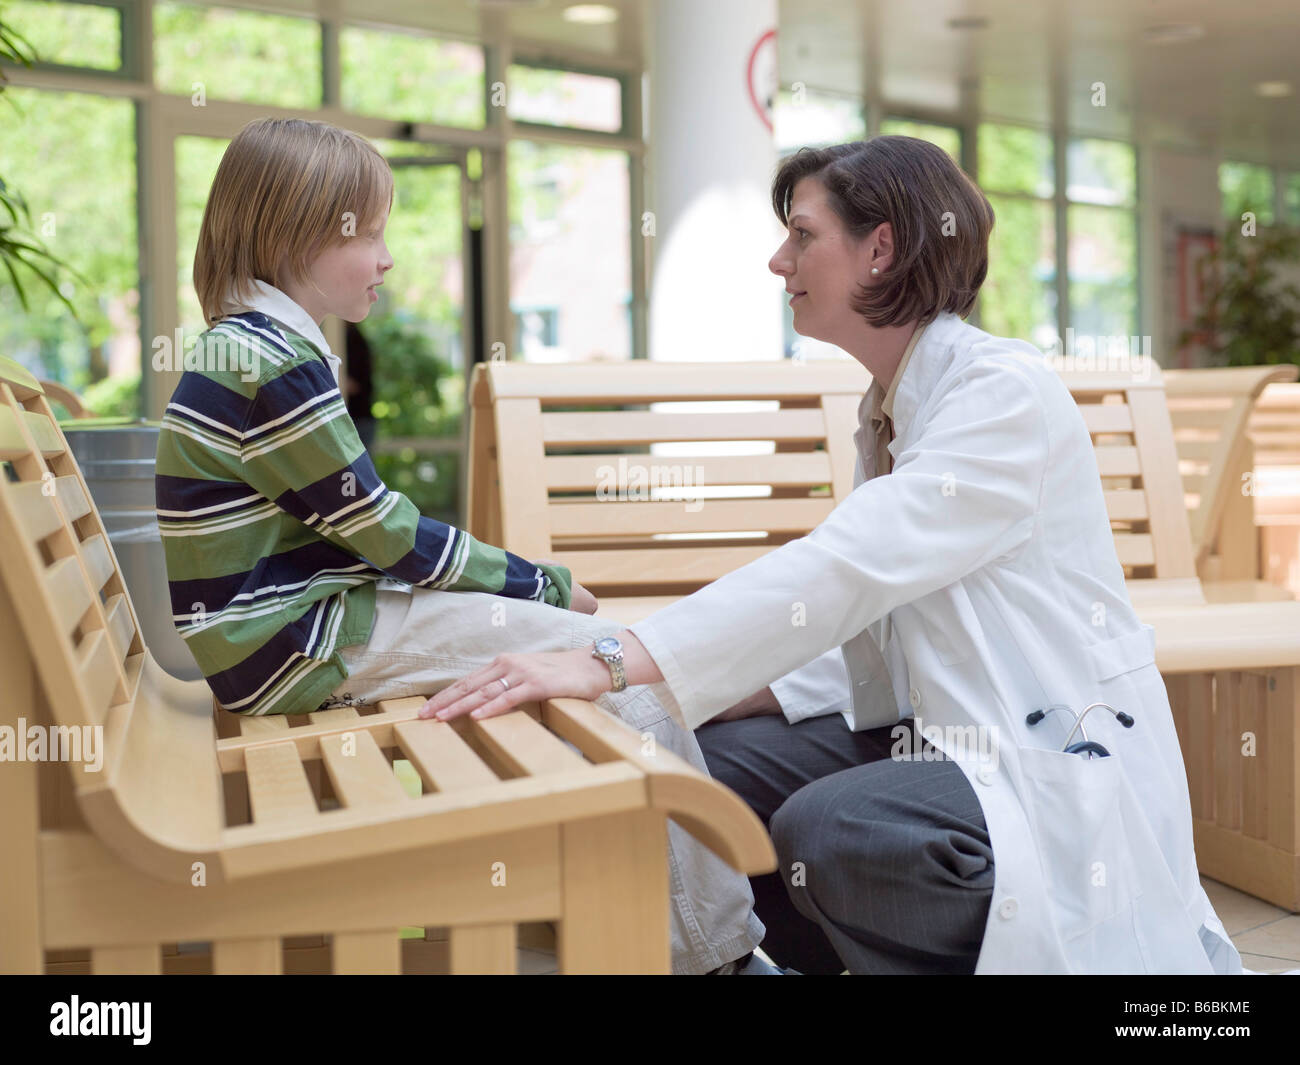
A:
x: 424, y: 639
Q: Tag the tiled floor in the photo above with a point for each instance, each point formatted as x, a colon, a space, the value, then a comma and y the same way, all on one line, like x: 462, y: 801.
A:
x: 1267, y: 937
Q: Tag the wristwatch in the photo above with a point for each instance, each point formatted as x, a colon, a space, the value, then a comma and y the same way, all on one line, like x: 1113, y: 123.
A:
x: 610, y: 651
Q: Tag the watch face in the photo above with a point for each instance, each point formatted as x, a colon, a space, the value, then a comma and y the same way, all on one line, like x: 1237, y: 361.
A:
x: 607, y: 645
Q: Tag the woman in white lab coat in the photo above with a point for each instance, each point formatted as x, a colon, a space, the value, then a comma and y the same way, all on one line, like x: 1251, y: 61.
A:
x: 968, y: 580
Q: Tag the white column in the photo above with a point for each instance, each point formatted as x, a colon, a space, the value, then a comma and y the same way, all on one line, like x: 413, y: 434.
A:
x: 711, y: 159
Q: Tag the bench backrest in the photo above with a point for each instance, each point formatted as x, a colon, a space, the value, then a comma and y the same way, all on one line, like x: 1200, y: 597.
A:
x: 72, y: 642
x: 1211, y: 411
x: 1275, y: 426
x: 599, y: 488
x: 619, y: 472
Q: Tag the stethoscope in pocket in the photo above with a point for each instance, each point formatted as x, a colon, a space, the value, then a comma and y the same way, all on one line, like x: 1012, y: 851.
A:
x: 1085, y: 747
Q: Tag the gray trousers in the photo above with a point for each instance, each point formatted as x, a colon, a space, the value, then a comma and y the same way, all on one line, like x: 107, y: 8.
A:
x: 424, y: 639
x: 884, y: 863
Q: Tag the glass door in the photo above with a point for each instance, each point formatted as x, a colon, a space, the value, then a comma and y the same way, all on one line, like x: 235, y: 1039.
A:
x: 408, y: 361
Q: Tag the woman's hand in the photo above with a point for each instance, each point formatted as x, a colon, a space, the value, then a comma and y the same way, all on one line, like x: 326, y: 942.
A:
x: 763, y: 702
x: 528, y: 678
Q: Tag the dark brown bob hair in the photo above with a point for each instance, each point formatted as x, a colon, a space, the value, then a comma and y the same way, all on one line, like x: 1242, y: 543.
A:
x: 940, y: 219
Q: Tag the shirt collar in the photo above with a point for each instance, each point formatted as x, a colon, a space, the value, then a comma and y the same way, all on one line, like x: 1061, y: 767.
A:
x: 884, y: 405
x: 274, y: 303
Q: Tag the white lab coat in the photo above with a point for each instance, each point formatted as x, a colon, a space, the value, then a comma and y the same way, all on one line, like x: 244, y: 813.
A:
x: 974, y: 584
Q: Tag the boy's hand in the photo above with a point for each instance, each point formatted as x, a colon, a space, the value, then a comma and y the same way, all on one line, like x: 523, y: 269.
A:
x: 580, y: 599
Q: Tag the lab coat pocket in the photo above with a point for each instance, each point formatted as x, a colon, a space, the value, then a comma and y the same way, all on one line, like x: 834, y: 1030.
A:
x: 1074, y: 805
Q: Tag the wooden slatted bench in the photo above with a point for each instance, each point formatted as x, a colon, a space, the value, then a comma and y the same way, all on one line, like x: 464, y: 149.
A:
x: 186, y: 836
x: 1211, y: 411
x: 586, y: 465
x: 1275, y: 434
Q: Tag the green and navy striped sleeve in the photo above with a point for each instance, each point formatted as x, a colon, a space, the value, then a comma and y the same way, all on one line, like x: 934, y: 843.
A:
x: 299, y: 449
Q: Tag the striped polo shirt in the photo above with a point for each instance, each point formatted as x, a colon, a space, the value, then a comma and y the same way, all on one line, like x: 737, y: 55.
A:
x: 276, y: 527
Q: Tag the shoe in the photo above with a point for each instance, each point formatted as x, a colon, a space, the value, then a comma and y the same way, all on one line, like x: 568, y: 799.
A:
x: 752, y: 964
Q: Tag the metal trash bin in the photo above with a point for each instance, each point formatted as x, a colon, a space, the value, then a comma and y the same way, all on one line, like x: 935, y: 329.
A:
x: 117, y: 457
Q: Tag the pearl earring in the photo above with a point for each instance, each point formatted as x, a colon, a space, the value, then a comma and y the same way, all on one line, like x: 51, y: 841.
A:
x: 875, y: 270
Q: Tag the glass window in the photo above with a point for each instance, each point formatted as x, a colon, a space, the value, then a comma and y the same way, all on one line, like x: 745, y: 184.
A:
x: 1103, y: 172
x: 197, y: 159
x: 1015, y: 159
x: 1246, y: 187
x: 570, y: 250
x: 411, y: 76
x: 1291, y: 198
x: 1018, y: 298
x: 75, y: 35
x: 237, y: 55
x: 1103, y: 271
x: 812, y: 119
x: 87, y: 218
x: 412, y: 384
x: 564, y: 98
x: 946, y: 137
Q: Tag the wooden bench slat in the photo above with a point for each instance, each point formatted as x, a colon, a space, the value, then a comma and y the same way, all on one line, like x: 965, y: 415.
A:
x: 1107, y: 417
x: 653, y: 566
x: 631, y: 518
x: 120, y: 626
x: 12, y: 444
x: 778, y: 469
x: 526, y: 747
x: 99, y: 561
x: 361, y: 778
x: 444, y: 761
x: 43, y: 433
x: 65, y: 584
x: 368, y: 953
x: 1134, y: 549
x: 257, y: 726
x: 1118, y: 461
x: 252, y: 957
x: 631, y: 382
x: 1126, y: 504
x: 339, y: 713
x: 69, y: 491
x: 36, y: 510
x: 98, y: 674
x: 135, y: 960
x: 646, y: 427
x: 278, y: 789
x: 484, y: 950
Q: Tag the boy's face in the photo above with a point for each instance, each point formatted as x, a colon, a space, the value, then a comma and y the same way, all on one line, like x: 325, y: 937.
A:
x: 343, y: 279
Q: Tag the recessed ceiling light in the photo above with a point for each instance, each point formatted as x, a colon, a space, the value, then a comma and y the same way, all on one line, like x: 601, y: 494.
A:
x: 1273, y: 89
x: 968, y: 22
x: 1173, y: 33
x: 591, y: 14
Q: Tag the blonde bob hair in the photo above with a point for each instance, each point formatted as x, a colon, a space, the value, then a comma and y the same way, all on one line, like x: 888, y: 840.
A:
x: 287, y: 189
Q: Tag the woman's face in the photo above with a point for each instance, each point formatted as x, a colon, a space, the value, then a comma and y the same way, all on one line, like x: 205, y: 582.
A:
x: 823, y: 265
